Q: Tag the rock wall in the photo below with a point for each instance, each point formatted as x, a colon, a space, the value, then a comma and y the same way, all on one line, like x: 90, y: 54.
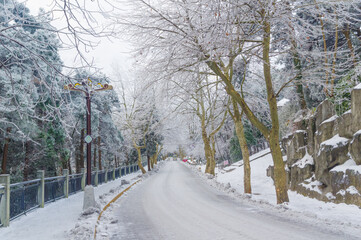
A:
x: 324, y: 153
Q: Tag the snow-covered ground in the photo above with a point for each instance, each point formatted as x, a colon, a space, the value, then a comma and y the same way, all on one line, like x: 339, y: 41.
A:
x: 176, y: 204
x: 88, y: 221
x: 64, y: 218
x: 263, y: 191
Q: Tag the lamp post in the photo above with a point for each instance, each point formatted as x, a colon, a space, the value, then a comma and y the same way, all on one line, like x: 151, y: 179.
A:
x: 88, y: 88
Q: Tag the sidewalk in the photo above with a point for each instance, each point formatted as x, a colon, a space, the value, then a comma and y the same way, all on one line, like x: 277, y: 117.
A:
x: 54, y: 220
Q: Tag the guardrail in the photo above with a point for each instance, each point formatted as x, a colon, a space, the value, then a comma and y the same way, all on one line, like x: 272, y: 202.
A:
x: 75, y: 182
x: 2, y: 192
x: 19, y: 198
x: 24, y: 197
x: 54, y: 188
x: 258, y: 147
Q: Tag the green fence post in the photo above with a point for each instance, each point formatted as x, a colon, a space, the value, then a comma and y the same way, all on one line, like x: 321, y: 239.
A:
x: 96, y: 179
x: 5, y: 200
x: 66, y: 183
x: 106, y: 176
x: 82, y: 170
x: 41, y: 190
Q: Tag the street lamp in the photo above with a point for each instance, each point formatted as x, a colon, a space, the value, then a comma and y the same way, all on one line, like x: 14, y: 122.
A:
x: 88, y: 88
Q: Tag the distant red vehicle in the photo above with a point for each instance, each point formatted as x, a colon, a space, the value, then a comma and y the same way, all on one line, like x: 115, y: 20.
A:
x: 185, y: 160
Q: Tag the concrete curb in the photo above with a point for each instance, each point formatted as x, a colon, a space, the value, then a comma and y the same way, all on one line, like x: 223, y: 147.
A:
x: 106, y: 206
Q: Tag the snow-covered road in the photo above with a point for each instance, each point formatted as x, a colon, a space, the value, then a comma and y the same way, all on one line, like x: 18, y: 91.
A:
x: 176, y: 204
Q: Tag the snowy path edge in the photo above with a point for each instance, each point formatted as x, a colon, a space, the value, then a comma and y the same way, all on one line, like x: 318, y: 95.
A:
x: 108, y: 205
x: 88, y: 222
x: 284, y: 210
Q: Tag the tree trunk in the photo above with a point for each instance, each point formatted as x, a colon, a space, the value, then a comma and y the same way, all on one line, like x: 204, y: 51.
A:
x: 213, y: 156
x: 181, y: 153
x: 69, y: 166
x: 273, y: 134
x: 155, y: 156
x: 64, y: 163
x: 80, y: 160
x: 244, y: 148
x: 207, y: 151
x: 212, y: 167
x: 281, y: 193
x: 82, y: 148
x: 245, y: 154
x: 159, y: 149
x: 152, y: 161
x: 208, y: 163
x: 26, y: 161
x: 280, y: 172
x: 99, y: 154
x: 148, y: 159
x: 6, y: 150
x: 280, y: 179
x: 140, y: 160
x: 127, y: 160
x: 95, y: 153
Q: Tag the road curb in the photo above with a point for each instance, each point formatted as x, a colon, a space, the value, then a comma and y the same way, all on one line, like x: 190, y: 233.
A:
x: 106, y: 206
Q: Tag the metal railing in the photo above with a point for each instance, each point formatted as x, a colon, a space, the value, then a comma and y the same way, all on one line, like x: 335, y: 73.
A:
x: 110, y: 175
x: 117, y: 172
x: 24, y: 197
x: 101, y: 177
x: 75, y: 183
x: 258, y: 147
x: 93, y: 178
x: 54, y: 188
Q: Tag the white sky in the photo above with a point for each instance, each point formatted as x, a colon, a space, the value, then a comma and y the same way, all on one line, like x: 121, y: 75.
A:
x: 109, y: 52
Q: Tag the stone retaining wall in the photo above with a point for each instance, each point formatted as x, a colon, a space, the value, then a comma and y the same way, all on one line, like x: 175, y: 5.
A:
x: 324, y: 153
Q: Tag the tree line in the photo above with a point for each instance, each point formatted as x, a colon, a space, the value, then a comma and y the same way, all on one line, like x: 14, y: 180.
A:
x: 42, y: 126
x: 239, y: 58
x: 222, y: 65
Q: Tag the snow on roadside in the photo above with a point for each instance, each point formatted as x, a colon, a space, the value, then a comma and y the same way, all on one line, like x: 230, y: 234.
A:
x: 338, y: 216
x: 85, y: 226
x: 87, y: 221
x: 57, y: 218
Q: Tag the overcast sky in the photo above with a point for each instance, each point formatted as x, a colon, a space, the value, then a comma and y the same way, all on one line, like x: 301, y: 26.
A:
x: 107, y: 53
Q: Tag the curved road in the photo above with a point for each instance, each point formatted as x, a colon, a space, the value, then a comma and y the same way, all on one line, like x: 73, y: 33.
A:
x: 175, y: 204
